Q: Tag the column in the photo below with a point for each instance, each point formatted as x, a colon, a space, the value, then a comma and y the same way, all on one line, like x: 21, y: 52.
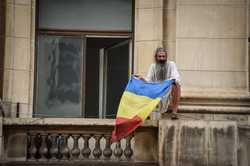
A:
x: 2, y: 39
x: 169, y: 28
x: 19, y: 56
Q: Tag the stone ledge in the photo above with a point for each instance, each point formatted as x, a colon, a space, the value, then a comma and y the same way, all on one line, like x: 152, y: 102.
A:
x: 78, y: 163
x: 68, y: 122
x: 213, y: 2
x: 216, y: 99
x: 213, y: 109
x: 215, y: 94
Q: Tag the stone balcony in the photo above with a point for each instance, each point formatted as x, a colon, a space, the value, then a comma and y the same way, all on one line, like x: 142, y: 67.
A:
x: 67, y: 141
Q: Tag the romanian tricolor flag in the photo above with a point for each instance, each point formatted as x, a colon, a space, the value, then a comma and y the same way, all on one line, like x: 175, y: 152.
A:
x: 139, y: 99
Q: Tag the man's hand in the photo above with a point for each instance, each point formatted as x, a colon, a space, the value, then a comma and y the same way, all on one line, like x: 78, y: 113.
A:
x: 140, y: 77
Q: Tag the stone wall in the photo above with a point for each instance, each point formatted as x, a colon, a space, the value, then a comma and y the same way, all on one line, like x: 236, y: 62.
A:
x: 207, y: 39
x: 211, y: 44
x: 244, y: 146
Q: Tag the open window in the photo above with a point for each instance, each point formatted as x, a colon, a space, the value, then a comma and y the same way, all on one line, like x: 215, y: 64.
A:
x: 83, y: 63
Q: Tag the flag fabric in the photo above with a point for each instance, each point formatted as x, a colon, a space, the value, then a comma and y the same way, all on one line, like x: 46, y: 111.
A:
x: 139, y: 99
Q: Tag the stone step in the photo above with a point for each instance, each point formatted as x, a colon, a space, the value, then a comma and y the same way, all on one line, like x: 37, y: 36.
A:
x: 216, y: 103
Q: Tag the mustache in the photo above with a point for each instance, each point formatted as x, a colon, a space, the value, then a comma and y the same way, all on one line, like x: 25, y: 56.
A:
x: 161, y: 61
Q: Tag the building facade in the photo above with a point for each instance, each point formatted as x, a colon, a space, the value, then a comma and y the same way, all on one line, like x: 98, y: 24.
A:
x: 61, y: 59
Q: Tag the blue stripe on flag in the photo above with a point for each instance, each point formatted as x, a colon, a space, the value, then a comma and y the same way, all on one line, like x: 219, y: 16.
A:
x: 152, y: 90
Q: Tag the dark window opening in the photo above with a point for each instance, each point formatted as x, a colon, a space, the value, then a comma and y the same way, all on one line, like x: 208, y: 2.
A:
x: 107, y: 68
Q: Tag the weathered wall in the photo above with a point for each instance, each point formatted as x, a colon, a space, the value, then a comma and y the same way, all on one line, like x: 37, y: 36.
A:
x: 244, y: 146
x: 198, y: 143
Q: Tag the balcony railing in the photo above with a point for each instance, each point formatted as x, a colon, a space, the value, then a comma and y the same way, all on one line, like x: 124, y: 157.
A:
x: 56, y: 146
x: 56, y: 140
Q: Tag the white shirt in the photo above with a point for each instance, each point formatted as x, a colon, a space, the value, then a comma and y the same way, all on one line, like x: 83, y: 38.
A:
x: 172, y: 72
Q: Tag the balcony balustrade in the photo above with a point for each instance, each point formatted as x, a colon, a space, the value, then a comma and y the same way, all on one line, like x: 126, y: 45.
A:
x: 44, y: 146
x: 56, y: 140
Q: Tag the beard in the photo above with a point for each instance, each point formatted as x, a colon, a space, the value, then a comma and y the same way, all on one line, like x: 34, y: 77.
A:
x: 161, y: 70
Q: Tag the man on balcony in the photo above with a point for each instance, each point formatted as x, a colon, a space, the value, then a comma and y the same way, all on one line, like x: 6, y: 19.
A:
x: 161, y: 70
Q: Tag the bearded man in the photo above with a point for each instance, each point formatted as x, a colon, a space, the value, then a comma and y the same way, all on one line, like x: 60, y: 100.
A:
x: 161, y: 70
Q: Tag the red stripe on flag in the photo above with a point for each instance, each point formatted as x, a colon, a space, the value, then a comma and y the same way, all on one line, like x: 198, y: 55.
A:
x: 124, y: 126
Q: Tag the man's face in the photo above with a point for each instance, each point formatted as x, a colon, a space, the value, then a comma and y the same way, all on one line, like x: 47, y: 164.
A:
x: 161, y: 57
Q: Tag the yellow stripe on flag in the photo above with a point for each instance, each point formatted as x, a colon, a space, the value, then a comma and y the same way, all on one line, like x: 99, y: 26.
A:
x: 132, y: 105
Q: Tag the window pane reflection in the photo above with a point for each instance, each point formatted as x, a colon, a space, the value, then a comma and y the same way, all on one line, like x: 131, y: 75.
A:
x: 58, y: 80
x: 86, y: 14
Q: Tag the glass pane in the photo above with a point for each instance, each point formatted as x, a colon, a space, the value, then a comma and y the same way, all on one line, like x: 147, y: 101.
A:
x: 86, y: 14
x: 58, y: 76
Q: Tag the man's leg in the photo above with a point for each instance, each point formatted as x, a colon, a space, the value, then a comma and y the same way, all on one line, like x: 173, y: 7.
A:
x: 176, y: 94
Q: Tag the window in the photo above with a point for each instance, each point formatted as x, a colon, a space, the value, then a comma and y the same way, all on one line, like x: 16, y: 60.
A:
x: 83, y: 57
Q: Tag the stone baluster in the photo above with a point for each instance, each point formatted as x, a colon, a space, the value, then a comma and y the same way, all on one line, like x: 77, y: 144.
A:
x: 75, y: 152
x: 32, y: 149
x: 128, y: 152
x: 43, y: 150
x: 107, y: 152
x: 64, y: 150
x: 118, y: 150
x: 54, y: 150
x: 86, y: 150
x: 97, y: 152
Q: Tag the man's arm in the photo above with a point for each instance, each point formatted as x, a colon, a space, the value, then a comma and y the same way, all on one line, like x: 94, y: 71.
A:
x: 149, y: 76
x: 174, y: 74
